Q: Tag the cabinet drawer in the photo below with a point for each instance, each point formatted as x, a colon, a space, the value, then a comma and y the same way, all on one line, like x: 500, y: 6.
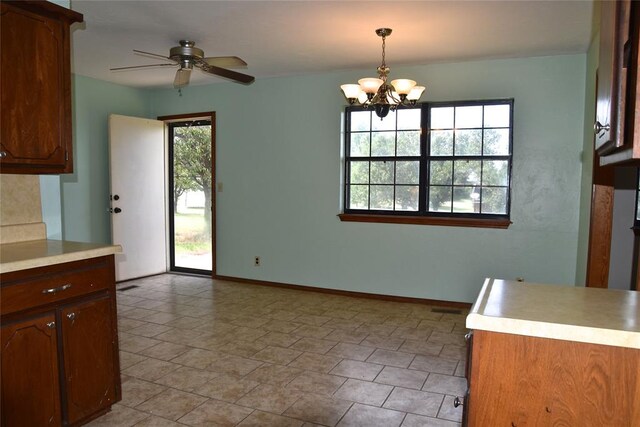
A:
x: 53, y: 288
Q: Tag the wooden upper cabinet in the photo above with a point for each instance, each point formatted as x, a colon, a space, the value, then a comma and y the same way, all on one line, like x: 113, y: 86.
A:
x: 35, y: 87
x: 617, y: 138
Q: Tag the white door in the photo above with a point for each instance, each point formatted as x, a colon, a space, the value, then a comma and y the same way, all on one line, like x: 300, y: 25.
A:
x: 137, y: 159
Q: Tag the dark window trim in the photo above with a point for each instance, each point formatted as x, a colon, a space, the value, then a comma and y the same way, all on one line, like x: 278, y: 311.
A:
x: 425, y: 217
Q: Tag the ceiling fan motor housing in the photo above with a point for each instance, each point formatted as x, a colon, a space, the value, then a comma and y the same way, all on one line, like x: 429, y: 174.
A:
x: 186, y: 54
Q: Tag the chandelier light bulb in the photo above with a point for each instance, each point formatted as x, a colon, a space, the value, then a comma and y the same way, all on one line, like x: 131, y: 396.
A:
x: 416, y: 93
x: 370, y: 84
x: 403, y: 86
x: 351, y: 91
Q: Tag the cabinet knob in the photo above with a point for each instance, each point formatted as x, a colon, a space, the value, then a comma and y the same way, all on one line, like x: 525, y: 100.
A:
x: 3, y: 154
x: 71, y: 316
x: 457, y: 402
x: 51, y: 325
x: 599, y: 127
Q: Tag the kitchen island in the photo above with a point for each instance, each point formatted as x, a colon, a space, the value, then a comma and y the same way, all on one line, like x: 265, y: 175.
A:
x: 553, y: 355
x: 59, y: 338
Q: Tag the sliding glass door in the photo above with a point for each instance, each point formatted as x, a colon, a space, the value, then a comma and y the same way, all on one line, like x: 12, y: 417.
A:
x: 191, y: 196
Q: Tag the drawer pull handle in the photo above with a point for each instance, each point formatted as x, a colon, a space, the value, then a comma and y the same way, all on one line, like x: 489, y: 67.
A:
x: 51, y: 325
x: 54, y: 290
x: 71, y: 316
x: 457, y: 402
x: 467, y: 336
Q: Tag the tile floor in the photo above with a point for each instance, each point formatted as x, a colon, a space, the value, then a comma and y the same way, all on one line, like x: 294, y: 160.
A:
x: 199, y: 352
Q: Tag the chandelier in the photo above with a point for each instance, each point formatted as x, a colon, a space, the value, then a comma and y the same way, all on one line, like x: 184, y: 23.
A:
x: 376, y: 93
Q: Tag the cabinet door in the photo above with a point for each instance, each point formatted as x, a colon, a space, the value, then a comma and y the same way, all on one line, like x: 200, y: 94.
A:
x: 89, y: 350
x: 30, y: 387
x: 34, y: 79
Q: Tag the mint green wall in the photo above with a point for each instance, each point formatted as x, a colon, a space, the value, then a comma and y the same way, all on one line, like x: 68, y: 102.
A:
x: 85, y: 193
x: 278, y: 157
x: 587, y: 162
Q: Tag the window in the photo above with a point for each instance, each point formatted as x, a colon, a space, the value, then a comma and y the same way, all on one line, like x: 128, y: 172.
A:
x: 457, y: 172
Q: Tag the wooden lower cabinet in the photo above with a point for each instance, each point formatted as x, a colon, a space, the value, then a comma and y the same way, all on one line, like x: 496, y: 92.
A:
x: 527, y: 381
x: 30, y: 388
x: 60, y: 361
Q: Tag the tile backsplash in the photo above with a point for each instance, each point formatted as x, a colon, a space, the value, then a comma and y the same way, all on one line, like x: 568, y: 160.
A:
x: 20, y: 208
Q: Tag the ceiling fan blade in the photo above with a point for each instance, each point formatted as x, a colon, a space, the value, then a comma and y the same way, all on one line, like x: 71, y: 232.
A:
x: 223, y: 72
x: 155, y: 55
x: 225, y: 61
x: 140, y: 66
x: 182, y: 78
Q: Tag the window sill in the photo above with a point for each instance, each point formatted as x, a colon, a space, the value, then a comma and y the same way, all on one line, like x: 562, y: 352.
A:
x: 424, y: 220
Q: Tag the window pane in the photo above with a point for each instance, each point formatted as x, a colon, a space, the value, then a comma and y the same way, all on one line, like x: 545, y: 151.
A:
x: 465, y: 199
x: 496, y: 141
x: 409, y: 118
x: 442, y: 118
x: 441, y: 143
x: 406, y: 198
x: 468, y: 142
x: 382, y: 197
x: 359, y: 173
x: 360, y: 144
x: 495, y: 172
x: 466, y: 172
x: 358, y: 197
x: 408, y: 143
x: 494, y: 200
x: 440, y: 172
x: 469, y: 117
x: 388, y: 123
x: 382, y: 172
x: 440, y: 199
x: 496, y: 116
x: 360, y: 120
x: 407, y: 172
x: 383, y: 143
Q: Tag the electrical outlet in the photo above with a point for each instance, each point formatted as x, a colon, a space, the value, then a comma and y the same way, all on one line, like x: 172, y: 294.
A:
x: 256, y: 261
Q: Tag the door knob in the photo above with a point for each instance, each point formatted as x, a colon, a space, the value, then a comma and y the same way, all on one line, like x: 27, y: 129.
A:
x: 117, y: 210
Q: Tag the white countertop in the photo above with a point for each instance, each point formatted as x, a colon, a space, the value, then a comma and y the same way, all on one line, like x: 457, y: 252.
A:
x: 590, y: 315
x: 40, y: 253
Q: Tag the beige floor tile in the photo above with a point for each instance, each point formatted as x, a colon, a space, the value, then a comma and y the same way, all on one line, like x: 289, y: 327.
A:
x: 244, y: 333
x: 265, y: 419
x: 407, y: 378
x: 446, y: 384
x: 386, y: 343
x: 162, y: 318
x: 150, y: 369
x: 234, y: 365
x: 229, y: 388
x: 280, y: 326
x: 450, y: 412
x: 406, y: 322
x: 414, y: 401
x: 129, y: 359
x: 165, y: 351
x: 364, y: 392
x: 310, y: 319
x: 277, y: 339
x: 437, y: 325
x: 277, y: 355
x: 422, y: 347
x: 198, y: 358
x: 216, y: 413
x: 454, y: 352
x: 120, y: 416
x: 310, y: 331
x: 274, y: 374
x: 312, y: 382
x: 135, y: 343
x: 438, y: 337
x: 412, y: 333
x: 377, y: 329
x: 341, y: 314
x: 242, y: 348
x: 412, y: 420
x: 184, y: 322
x: 398, y: 359
x: 154, y: 421
x: 348, y: 324
x: 171, y: 404
x: 187, y: 379
x: 283, y: 315
x: 358, y: 370
x: 313, y: 345
x: 435, y: 364
x: 461, y: 369
x: 149, y: 330
x: 125, y: 324
x: 139, y: 313
x: 319, y: 409
x: 270, y: 398
x: 343, y: 335
x: 368, y: 416
x: 315, y: 362
x: 250, y: 322
x: 135, y: 391
x: 351, y: 351
x: 179, y: 336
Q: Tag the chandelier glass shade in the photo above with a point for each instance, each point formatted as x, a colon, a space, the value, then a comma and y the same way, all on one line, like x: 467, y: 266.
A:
x: 376, y: 93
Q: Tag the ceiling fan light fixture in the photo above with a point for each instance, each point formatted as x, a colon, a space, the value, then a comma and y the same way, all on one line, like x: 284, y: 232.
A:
x: 376, y: 93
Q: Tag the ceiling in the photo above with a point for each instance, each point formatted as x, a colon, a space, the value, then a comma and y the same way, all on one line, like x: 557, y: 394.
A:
x: 283, y: 38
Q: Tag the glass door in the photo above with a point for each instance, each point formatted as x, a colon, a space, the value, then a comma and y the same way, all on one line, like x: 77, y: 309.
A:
x: 191, y: 196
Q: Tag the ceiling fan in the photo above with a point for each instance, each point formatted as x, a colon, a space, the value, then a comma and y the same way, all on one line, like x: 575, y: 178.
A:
x: 186, y: 56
